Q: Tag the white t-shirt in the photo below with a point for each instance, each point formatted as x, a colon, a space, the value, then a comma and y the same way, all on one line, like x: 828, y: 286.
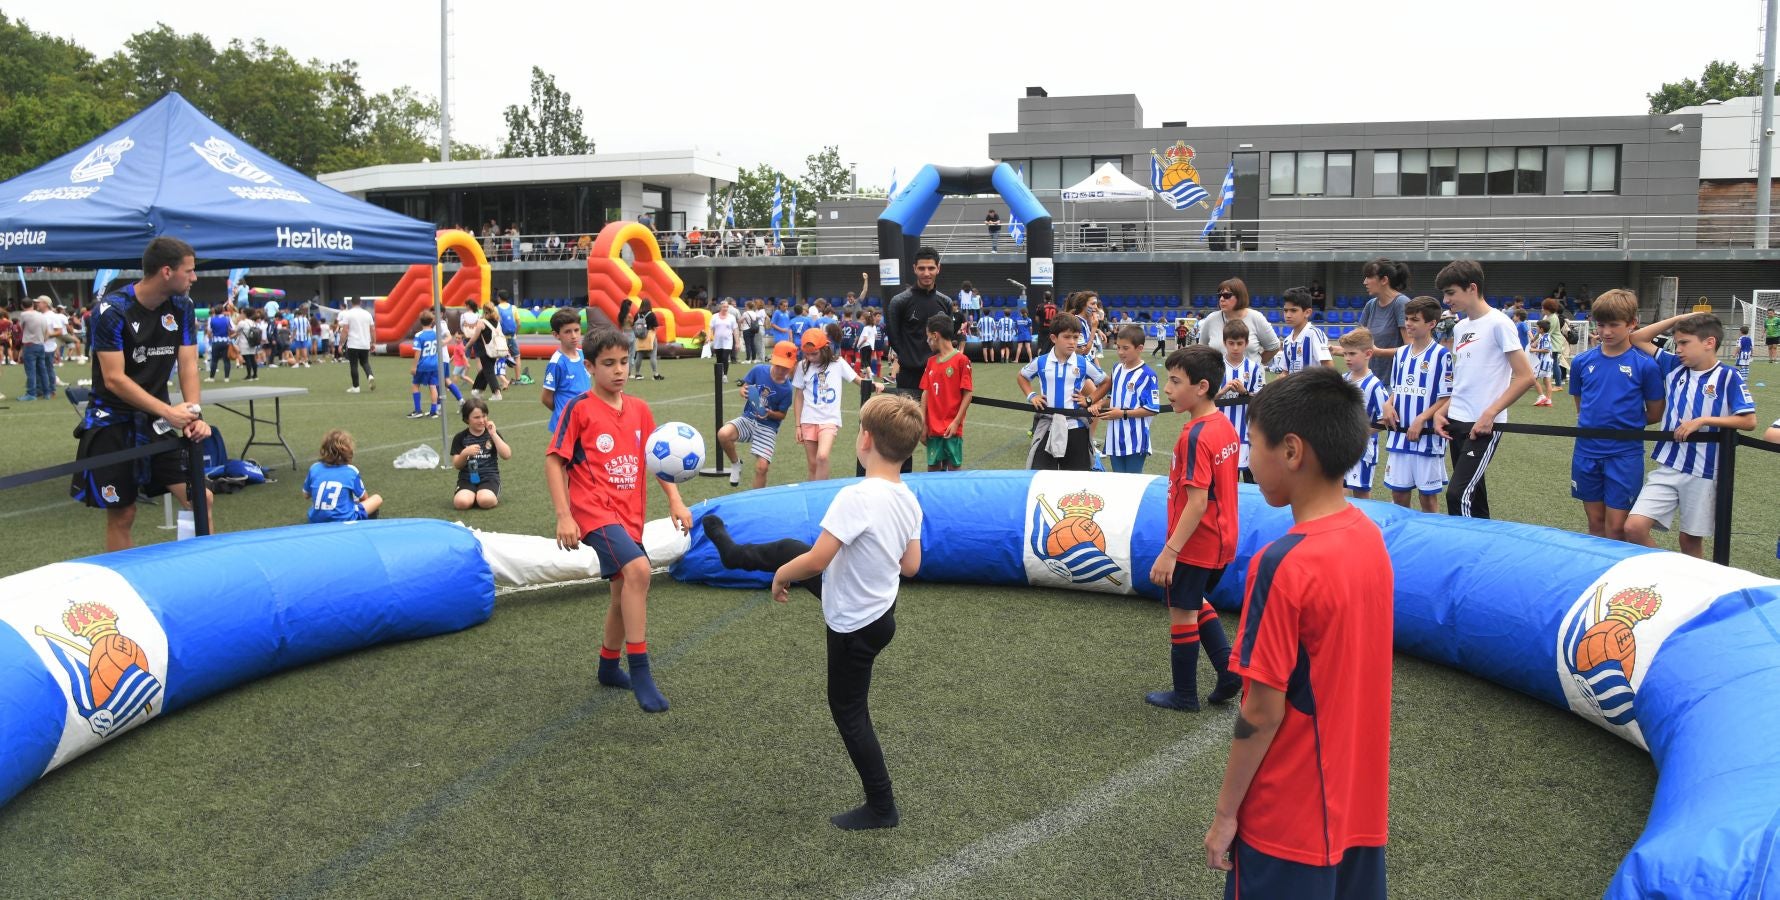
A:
x: 821, y: 388
x: 357, y: 322
x: 868, y: 337
x: 875, y: 521
x: 723, y: 331
x: 1480, y: 367
x: 57, y: 322
x: 467, y: 321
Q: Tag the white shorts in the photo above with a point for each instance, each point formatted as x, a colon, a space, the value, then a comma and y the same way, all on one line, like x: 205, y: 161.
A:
x: 1667, y: 491
x: 1542, y: 365
x: 1241, y: 457
x: 1415, y: 472
x: 1360, y: 477
x: 761, y: 440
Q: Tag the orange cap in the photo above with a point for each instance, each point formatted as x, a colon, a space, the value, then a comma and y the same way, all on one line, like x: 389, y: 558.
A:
x: 814, y: 339
x: 785, y: 354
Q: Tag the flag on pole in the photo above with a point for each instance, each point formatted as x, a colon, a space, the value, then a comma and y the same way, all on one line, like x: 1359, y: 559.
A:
x: 729, y: 210
x: 778, y: 212
x: 1185, y: 193
x: 1016, y: 229
x: 894, y: 187
x: 793, y: 229
x: 23, y: 287
x: 103, y: 279
x: 1226, y: 195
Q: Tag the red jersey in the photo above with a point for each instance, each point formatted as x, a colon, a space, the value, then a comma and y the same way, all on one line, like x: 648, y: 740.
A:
x: 1316, y: 624
x: 603, y: 449
x: 1205, y: 457
x: 943, y: 385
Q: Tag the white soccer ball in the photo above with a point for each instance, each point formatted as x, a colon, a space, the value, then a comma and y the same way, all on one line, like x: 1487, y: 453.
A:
x: 674, y: 452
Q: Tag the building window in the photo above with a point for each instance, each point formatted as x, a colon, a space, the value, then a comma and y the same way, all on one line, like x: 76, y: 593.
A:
x: 1043, y: 175
x: 1312, y: 173
x: 1384, y: 173
x: 1472, y: 180
x: 1118, y: 162
x: 1075, y: 171
x: 1591, y: 170
x: 1443, y: 172
x: 1529, y: 171
x: 1415, y: 173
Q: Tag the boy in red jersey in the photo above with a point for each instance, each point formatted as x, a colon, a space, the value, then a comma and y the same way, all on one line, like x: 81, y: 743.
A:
x: 1303, y: 811
x: 596, y: 477
x: 1202, y: 528
x: 945, y: 396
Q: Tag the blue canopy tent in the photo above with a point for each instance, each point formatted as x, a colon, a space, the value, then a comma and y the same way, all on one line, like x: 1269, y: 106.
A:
x: 169, y: 170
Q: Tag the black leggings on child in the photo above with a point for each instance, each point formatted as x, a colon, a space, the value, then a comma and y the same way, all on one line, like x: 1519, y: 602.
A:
x: 850, y: 658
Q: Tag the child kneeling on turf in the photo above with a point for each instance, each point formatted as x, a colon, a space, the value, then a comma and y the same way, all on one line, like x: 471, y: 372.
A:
x: 1304, y: 807
x: 476, y: 453
x: 335, y: 490
x: 1201, y: 528
x: 871, y: 537
x: 767, y: 392
x: 597, y: 480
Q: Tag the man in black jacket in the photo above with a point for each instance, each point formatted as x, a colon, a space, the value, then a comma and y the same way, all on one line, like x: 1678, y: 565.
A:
x: 905, y: 320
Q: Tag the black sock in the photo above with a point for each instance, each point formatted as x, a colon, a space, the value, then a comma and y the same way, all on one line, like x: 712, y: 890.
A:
x: 756, y: 557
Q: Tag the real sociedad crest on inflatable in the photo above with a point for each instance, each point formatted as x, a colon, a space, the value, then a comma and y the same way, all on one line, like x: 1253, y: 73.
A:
x: 100, y: 643
x: 1611, y: 636
x: 1081, y: 538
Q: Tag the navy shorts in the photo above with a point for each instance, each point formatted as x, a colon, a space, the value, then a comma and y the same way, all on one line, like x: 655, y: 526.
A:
x: 1191, y: 584
x: 1613, y: 480
x: 1359, y: 876
x: 426, y: 376
x: 615, y: 548
x: 119, y: 484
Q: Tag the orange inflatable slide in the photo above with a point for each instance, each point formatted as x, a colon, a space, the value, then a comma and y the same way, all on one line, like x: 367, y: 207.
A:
x: 397, y: 315
x: 611, y: 281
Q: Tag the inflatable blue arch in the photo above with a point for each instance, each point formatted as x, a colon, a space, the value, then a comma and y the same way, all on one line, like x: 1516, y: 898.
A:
x: 1678, y: 656
x: 901, y: 223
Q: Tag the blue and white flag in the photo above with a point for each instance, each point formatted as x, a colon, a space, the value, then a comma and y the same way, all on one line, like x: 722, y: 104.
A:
x: 1226, y: 196
x: 778, y: 212
x: 1081, y: 564
x: 729, y: 210
x: 236, y: 276
x: 894, y: 187
x: 102, y: 279
x: 23, y: 287
x: 793, y: 229
x: 1182, y: 195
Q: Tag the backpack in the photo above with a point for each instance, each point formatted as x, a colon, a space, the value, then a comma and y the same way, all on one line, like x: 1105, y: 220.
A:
x: 253, y: 335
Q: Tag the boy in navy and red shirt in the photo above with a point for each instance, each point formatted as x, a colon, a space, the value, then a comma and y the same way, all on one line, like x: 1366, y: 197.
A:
x: 1201, y: 528
x: 1304, y: 807
x: 596, y: 477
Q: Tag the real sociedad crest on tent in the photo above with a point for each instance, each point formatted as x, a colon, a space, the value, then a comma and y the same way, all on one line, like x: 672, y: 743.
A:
x: 1080, y: 538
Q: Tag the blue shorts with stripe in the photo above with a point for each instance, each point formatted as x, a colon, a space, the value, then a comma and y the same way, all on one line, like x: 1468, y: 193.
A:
x: 1612, y: 480
x: 1359, y: 876
x: 615, y: 548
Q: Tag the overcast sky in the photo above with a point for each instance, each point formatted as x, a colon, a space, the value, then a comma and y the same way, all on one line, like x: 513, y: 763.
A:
x: 902, y: 84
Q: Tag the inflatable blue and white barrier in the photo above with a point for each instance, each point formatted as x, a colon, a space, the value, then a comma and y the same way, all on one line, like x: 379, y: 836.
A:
x: 93, y: 648
x: 1676, y: 655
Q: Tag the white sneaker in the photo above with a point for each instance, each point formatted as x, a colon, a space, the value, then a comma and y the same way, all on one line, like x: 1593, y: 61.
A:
x: 494, y: 396
x: 352, y: 390
x: 735, y: 475
x: 371, y: 380
x: 225, y: 381
x: 209, y: 381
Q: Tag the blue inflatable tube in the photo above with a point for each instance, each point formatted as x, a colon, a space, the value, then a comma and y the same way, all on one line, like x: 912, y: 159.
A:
x: 1676, y: 655
x: 92, y: 648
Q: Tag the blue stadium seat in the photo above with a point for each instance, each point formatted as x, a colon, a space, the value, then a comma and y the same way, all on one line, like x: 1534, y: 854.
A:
x: 1350, y: 318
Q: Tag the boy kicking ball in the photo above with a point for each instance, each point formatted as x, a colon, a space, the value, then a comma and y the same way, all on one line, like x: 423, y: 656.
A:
x: 1304, y: 806
x: 1202, y: 530
x: 596, y: 477
x: 767, y: 393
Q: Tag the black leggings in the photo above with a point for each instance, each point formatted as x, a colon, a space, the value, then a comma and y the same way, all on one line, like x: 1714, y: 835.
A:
x: 219, y: 352
x: 358, y: 358
x: 485, y: 378
x: 850, y: 659
x: 724, y: 357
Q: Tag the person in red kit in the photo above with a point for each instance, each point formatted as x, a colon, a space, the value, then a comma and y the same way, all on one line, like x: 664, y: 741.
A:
x: 596, y: 477
x: 1304, y: 808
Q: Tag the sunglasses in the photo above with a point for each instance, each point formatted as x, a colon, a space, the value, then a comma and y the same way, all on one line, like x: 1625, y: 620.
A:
x: 1226, y: 294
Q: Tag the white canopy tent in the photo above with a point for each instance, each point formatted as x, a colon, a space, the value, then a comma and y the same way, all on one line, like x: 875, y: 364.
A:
x: 1105, y: 185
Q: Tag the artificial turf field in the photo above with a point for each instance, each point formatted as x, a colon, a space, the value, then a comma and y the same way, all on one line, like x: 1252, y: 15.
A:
x: 487, y: 763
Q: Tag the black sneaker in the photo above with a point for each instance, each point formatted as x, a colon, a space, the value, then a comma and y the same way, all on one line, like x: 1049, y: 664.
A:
x: 417, y: 414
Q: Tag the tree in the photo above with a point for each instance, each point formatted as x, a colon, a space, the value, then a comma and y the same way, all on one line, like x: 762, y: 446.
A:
x: 549, y: 126
x: 825, y: 178
x: 753, y: 192
x: 52, y: 98
x: 1720, y: 81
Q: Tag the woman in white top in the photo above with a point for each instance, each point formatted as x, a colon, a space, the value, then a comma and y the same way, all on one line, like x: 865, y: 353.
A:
x: 751, y: 318
x: 723, y: 328
x: 1263, y: 342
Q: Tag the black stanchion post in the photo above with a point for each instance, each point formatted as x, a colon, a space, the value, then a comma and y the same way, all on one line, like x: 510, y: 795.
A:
x: 1721, y: 512
x: 722, y: 461
x: 198, y: 486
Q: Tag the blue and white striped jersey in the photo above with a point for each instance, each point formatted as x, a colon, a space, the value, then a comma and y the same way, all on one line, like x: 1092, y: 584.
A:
x: 1307, y: 348
x: 1373, y: 393
x: 299, y: 327
x: 1718, y: 391
x: 1060, y: 380
x: 1007, y: 328
x: 1132, y: 389
x: 1251, y: 376
x: 1418, y: 381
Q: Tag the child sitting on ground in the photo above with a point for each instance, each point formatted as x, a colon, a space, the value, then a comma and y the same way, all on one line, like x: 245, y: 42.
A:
x: 335, y: 490
x: 766, y: 392
x: 870, y: 540
x: 1304, y: 808
x: 1201, y: 529
x: 1356, y: 349
x: 476, y: 453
